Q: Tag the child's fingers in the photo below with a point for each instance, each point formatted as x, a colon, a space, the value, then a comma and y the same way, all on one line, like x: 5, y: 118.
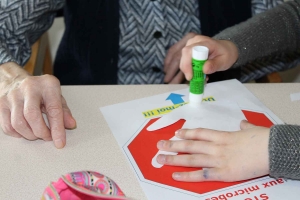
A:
x: 206, y: 174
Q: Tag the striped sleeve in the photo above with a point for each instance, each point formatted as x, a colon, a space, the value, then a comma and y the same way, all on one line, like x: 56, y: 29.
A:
x: 22, y: 22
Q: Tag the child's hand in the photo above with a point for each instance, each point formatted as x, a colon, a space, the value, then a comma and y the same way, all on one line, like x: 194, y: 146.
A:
x: 222, y: 55
x: 224, y: 156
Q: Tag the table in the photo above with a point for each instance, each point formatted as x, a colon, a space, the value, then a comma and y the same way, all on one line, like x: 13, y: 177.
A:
x: 27, y: 167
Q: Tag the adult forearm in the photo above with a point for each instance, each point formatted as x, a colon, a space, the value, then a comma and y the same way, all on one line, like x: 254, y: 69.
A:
x: 272, y: 32
x: 21, y: 24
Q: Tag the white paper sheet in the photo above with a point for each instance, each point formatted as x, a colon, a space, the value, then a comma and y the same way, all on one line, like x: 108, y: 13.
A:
x: 127, y: 120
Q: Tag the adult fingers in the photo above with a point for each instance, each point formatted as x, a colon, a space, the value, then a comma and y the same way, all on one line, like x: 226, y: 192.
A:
x: 188, y: 160
x: 69, y: 121
x: 5, y: 122
x: 173, y: 68
x: 171, y: 52
x: 179, y: 78
x: 175, y: 48
x: 54, y: 111
x: 206, y: 174
x: 186, y: 62
x: 19, y: 122
x: 33, y: 114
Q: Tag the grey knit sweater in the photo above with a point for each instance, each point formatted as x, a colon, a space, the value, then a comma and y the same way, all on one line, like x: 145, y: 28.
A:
x: 273, y: 32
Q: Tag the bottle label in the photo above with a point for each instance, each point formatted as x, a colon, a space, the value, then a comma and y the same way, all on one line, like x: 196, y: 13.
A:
x: 198, y: 81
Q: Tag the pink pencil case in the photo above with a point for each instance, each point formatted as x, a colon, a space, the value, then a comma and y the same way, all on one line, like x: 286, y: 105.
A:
x: 87, y: 185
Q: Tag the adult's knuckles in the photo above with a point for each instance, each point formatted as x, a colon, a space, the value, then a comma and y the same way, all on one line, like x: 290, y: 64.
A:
x: 7, y: 128
x: 18, y: 123
x: 3, y: 105
x: 31, y: 82
x: 54, y: 111
x: 14, y: 95
x: 32, y: 113
x: 52, y: 80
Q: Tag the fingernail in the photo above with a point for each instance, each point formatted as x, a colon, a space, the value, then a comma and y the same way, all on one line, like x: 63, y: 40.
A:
x: 59, y: 143
x: 161, y: 159
x: 160, y: 144
x: 176, y: 175
x: 178, y: 133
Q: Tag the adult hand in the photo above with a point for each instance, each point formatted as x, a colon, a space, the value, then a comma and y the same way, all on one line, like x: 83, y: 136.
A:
x: 23, y: 99
x: 222, y: 55
x: 173, y: 75
x: 224, y: 156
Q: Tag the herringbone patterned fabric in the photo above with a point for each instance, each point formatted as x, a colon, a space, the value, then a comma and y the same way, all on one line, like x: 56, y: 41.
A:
x: 141, y: 54
x: 22, y: 22
x: 259, y: 6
